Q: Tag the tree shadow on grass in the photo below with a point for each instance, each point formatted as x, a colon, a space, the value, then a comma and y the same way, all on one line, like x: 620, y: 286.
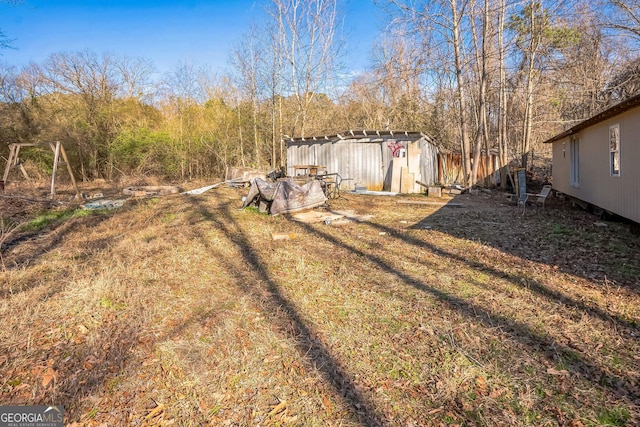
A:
x: 63, y: 367
x: 558, y: 234
x: 621, y: 385
x: 288, y: 321
x: 517, y: 280
x: 41, y: 242
x: 84, y: 371
x: 466, y: 231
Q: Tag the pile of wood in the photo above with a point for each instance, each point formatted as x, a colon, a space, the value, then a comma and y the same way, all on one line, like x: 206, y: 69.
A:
x: 405, y: 170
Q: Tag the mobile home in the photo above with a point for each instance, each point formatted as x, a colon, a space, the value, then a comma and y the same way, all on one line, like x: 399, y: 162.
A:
x: 596, y: 161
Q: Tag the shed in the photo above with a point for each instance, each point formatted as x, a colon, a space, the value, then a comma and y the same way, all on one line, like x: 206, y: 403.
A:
x: 596, y: 160
x: 378, y: 160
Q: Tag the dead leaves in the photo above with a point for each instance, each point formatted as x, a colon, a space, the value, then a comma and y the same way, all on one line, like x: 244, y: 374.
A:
x: 279, y: 415
x: 482, y: 385
x: 90, y: 362
x: 45, y: 373
x: 326, y: 403
x: 48, y: 376
x: 494, y: 392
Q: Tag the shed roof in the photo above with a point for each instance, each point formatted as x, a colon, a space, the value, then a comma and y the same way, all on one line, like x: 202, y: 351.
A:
x: 351, y: 134
x: 620, y: 108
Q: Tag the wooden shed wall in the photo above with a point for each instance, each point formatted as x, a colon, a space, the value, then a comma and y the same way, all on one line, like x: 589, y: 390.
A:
x: 451, y: 170
x: 617, y: 194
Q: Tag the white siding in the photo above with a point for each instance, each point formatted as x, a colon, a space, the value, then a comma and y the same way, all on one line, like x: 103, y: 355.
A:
x: 617, y: 194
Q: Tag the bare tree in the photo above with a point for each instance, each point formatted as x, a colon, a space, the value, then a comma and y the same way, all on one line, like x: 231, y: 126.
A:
x: 399, y: 64
x: 627, y: 20
x: 135, y: 77
x: 5, y: 42
x: 183, y: 92
x: 246, y: 60
x: 503, y: 140
x: 17, y: 120
x: 542, y: 30
x: 481, y: 45
x: 442, y: 22
x: 91, y: 79
x: 307, y: 37
x: 584, y: 65
x: 362, y: 104
x: 625, y: 83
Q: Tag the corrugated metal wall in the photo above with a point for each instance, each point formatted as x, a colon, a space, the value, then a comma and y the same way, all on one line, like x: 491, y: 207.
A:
x: 428, y: 162
x: 364, y: 162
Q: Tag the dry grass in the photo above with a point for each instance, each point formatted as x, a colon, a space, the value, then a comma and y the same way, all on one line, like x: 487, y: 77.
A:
x: 183, y: 311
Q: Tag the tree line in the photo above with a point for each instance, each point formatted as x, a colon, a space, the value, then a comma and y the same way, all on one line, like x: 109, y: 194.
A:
x: 475, y: 75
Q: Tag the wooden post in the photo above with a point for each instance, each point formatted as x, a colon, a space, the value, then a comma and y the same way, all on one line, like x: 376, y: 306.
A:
x: 58, y: 150
x: 56, y: 158
x: 73, y: 178
x: 16, y: 161
x: 12, y: 157
x: 26, y: 175
x: 406, y: 181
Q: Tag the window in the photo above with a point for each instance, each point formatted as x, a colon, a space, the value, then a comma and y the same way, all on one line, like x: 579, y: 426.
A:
x: 574, y: 158
x: 614, y: 149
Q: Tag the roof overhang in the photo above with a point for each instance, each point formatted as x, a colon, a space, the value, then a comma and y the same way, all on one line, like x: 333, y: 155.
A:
x: 620, y: 108
x: 358, y: 134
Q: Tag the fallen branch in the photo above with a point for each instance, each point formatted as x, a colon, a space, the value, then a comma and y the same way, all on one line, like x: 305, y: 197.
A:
x: 278, y: 408
x: 155, y: 412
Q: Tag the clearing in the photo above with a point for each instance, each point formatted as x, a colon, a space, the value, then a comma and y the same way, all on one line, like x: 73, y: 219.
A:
x: 182, y: 310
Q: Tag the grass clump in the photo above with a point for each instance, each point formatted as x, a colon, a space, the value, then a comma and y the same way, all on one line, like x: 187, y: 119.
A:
x: 616, y: 417
x: 49, y: 218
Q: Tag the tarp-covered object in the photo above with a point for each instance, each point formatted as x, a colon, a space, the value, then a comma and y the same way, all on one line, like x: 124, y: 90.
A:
x: 285, y: 196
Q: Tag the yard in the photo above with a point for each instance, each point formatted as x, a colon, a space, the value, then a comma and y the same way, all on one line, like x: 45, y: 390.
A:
x: 182, y: 310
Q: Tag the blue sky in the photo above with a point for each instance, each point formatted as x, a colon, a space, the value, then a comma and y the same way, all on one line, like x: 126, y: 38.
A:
x: 167, y: 33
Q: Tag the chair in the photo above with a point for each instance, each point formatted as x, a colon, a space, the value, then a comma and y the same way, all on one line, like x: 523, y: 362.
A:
x: 331, y: 184
x: 534, y: 199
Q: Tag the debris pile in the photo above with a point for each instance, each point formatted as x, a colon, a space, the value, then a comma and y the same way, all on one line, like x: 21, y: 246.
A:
x: 284, y: 196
